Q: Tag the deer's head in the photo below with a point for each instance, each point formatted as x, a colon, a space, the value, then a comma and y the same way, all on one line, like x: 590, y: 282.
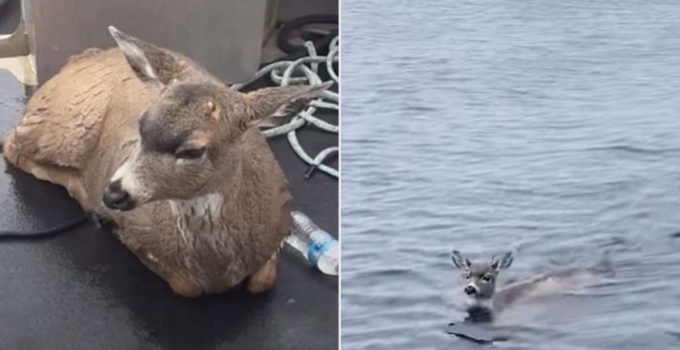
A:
x: 189, y: 128
x: 481, y: 277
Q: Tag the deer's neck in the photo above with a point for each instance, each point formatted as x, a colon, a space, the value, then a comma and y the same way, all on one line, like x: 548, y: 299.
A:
x: 203, y: 218
x: 198, y: 216
x: 480, y: 303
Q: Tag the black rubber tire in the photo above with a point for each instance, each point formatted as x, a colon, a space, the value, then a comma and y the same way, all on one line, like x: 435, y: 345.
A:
x: 288, y: 27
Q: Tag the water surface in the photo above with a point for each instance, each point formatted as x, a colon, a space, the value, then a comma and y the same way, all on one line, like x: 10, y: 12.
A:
x: 551, y: 128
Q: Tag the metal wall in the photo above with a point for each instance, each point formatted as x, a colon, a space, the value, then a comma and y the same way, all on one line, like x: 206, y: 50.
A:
x: 223, y: 36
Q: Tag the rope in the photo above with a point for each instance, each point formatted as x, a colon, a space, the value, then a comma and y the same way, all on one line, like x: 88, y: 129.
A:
x: 305, y: 71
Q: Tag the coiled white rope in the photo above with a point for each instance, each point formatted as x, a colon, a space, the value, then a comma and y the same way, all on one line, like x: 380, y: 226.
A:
x: 306, y: 72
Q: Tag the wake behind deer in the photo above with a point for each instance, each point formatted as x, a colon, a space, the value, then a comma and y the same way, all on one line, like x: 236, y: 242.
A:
x: 146, y: 138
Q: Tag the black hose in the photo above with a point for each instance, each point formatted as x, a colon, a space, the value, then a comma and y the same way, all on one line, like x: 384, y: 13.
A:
x: 39, y: 234
x: 287, y: 28
x: 296, y: 51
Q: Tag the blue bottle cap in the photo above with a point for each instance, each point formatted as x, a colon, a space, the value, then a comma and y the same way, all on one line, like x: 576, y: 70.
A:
x: 318, y: 248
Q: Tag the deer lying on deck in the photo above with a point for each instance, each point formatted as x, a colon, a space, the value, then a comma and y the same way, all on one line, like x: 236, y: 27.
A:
x: 144, y: 137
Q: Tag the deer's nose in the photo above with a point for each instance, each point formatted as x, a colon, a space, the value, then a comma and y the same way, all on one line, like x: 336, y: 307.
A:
x: 117, y: 198
x: 470, y: 290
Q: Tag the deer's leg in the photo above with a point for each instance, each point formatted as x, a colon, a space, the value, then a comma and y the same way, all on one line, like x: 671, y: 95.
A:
x: 9, y: 149
x: 177, y: 282
x: 264, y: 278
x: 184, y: 287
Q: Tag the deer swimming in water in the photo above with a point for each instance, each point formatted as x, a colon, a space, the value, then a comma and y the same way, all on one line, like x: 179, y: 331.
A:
x: 485, y: 299
x: 146, y: 138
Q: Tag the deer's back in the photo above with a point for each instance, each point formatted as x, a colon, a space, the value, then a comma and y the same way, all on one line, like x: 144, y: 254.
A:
x: 60, y: 136
x: 544, y: 286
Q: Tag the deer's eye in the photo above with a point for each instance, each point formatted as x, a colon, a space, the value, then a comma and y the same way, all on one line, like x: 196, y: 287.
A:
x: 191, y: 154
x: 486, y: 278
x: 467, y: 276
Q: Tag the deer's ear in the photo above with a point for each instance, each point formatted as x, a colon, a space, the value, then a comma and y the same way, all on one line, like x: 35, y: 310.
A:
x: 281, y: 101
x: 503, y: 263
x: 151, y: 64
x: 460, y: 261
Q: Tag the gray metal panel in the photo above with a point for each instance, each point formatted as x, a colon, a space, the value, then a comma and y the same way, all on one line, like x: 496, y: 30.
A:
x: 223, y: 36
x: 10, y: 15
x: 292, y: 9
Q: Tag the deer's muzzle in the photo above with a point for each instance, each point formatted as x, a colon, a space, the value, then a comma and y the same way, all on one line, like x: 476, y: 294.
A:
x: 471, y: 290
x: 117, y: 198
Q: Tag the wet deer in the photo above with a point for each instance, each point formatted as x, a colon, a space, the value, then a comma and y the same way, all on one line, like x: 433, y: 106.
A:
x: 144, y: 137
x: 485, y: 299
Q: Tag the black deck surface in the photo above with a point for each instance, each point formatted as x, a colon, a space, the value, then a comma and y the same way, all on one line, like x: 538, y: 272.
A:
x: 84, y: 290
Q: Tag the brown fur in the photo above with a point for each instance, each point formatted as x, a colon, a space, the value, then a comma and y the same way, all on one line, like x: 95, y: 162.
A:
x: 81, y: 126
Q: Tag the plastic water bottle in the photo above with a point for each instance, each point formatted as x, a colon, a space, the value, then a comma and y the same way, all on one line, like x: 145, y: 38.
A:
x: 315, y: 244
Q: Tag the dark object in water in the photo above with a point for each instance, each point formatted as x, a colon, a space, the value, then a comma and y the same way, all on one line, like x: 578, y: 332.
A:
x: 676, y: 335
x: 470, y: 338
x: 476, y: 315
x: 471, y: 334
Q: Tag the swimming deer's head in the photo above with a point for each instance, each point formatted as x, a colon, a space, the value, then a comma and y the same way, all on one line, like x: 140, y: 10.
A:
x: 481, y: 277
x: 190, y: 128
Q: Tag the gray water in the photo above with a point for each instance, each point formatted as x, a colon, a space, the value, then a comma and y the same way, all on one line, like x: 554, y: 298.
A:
x: 547, y: 127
